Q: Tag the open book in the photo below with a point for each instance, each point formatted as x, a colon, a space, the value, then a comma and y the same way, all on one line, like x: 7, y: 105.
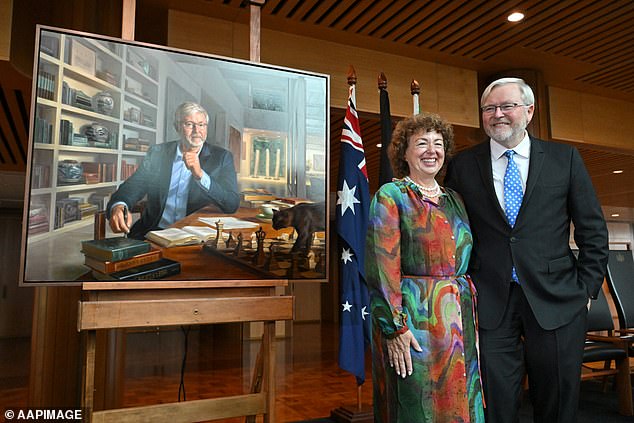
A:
x: 187, y: 235
x: 229, y: 222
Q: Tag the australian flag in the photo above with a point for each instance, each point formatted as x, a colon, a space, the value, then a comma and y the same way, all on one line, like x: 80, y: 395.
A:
x: 353, y: 202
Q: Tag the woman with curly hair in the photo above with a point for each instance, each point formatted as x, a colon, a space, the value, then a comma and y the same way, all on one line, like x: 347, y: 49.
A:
x: 424, y: 337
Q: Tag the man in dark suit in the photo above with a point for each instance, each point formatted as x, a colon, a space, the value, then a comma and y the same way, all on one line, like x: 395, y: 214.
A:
x: 532, y: 291
x: 178, y: 178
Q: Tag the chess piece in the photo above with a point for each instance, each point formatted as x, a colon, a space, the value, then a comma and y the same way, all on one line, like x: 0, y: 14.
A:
x: 230, y: 242
x: 258, y: 258
x: 219, y: 226
x: 238, y: 249
x: 271, y: 259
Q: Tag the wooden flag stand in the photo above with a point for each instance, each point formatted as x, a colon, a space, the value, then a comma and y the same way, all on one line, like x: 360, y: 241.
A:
x: 358, y: 413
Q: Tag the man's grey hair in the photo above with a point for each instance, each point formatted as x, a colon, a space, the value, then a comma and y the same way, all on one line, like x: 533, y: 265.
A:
x: 188, y: 108
x: 525, y: 90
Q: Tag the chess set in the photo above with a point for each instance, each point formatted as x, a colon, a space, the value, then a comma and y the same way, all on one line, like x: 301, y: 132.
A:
x: 270, y: 257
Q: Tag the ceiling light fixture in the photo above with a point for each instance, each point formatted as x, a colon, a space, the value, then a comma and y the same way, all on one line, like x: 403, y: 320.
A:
x: 615, y: 215
x: 515, y: 17
x: 617, y: 171
x: 379, y: 145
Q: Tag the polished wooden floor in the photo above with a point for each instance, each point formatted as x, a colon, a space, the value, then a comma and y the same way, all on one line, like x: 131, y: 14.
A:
x: 309, y: 382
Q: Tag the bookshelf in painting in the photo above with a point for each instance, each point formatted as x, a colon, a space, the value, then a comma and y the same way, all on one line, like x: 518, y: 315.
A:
x: 95, y: 117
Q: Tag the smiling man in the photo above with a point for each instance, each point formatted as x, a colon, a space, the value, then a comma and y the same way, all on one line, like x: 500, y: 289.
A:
x: 178, y: 178
x: 521, y: 195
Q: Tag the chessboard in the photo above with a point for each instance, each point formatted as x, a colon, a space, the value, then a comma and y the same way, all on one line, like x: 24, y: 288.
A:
x: 272, y: 257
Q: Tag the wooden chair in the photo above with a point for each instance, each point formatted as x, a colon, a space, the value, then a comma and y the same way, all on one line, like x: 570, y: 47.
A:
x: 602, y: 348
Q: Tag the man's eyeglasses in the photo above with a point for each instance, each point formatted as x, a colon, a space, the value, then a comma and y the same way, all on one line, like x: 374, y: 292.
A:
x: 190, y: 125
x: 504, y: 108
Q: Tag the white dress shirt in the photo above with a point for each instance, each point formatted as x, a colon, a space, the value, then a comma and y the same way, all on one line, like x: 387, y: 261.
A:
x: 499, y: 163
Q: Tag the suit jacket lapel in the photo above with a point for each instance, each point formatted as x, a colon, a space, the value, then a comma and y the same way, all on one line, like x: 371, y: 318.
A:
x: 483, y: 157
x: 535, y: 164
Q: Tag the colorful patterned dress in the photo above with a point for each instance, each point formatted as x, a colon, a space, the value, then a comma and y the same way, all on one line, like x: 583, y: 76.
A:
x: 417, y: 256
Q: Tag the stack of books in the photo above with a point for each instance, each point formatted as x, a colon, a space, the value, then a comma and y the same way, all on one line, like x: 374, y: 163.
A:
x: 123, y: 259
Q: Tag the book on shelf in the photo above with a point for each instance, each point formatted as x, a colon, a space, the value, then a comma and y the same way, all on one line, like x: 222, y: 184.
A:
x: 99, y: 199
x: 127, y: 169
x: 114, y: 249
x: 40, y: 176
x: 69, y: 210
x: 46, y: 85
x: 38, y: 219
x: 159, y: 269
x: 187, y: 235
x: 117, y: 266
x: 87, y: 210
x: 43, y: 131
x: 65, y: 132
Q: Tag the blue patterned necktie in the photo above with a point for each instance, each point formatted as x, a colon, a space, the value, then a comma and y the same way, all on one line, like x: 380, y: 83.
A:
x: 513, y: 194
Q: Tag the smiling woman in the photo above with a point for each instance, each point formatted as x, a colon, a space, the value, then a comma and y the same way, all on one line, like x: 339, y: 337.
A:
x: 418, y: 231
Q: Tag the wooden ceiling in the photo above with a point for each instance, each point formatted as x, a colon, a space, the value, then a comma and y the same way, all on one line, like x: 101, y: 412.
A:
x: 583, y: 45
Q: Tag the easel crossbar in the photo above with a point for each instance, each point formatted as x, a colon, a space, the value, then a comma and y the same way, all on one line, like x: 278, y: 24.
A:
x: 173, y: 312
x: 188, y: 411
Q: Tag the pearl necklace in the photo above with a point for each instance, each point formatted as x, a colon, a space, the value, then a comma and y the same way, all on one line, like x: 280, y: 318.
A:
x: 425, y: 191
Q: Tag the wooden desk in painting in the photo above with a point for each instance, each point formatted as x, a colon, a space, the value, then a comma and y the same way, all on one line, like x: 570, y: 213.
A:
x: 108, y: 305
x: 274, y: 261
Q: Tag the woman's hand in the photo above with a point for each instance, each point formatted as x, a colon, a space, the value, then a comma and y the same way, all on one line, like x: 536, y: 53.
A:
x: 398, y: 351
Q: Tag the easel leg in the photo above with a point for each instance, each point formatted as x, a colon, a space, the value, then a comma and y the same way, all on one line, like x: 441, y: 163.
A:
x: 256, y: 380
x: 268, y: 342
x: 265, y: 371
x: 88, y: 382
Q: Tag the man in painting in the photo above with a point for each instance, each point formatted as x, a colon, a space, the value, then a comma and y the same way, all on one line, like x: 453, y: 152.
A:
x: 178, y: 178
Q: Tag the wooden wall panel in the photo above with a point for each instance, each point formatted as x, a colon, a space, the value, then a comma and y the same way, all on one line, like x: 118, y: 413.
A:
x: 586, y: 118
x: 447, y: 90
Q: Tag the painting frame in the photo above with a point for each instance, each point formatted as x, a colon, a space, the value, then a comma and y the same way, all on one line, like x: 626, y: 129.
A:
x: 93, y: 146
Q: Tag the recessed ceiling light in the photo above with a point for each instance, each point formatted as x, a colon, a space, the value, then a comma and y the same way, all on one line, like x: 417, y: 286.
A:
x: 615, y: 215
x: 617, y: 171
x: 379, y: 145
x: 515, y: 17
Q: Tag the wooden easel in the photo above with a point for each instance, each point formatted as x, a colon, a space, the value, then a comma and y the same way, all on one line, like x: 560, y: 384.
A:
x: 109, y: 305
x: 112, y: 305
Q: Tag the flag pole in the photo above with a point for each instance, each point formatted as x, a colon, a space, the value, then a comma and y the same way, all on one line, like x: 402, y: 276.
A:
x: 415, y: 90
x: 385, y: 169
x: 354, y: 186
x: 352, y: 82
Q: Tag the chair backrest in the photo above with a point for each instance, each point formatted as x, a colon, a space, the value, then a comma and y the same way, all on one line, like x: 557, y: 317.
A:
x: 621, y: 283
x: 599, y: 315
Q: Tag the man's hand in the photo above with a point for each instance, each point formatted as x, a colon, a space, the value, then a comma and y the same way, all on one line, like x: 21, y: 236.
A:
x: 120, y: 219
x: 589, y: 303
x: 190, y: 157
x: 399, y: 354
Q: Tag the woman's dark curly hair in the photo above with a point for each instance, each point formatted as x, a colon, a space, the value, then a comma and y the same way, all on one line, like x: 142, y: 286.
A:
x: 412, y: 125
